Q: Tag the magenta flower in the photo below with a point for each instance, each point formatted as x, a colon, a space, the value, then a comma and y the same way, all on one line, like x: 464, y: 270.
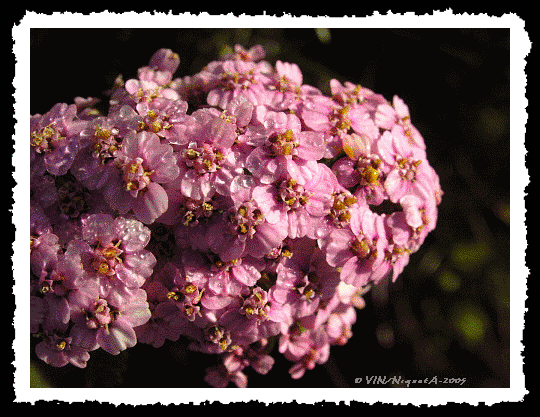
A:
x: 285, y: 150
x: 361, y: 169
x: 304, y: 347
x: 112, y: 253
x: 388, y: 116
x: 239, y: 274
x: 408, y: 173
x: 57, y: 350
x: 233, y: 364
x: 359, y: 249
x: 43, y: 190
x: 143, y: 165
x: 220, y: 376
x: 294, y: 341
x: 99, y: 322
x: 166, y: 118
x: 204, y: 168
x: 350, y: 94
x: 287, y: 91
x: 338, y: 327
x: 344, y: 205
x: 228, y: 79
x: 146, y: 91
x: 54, y: 138
x: 258, y: 359
x: 351, y: 295
x: 420, y: 212
x: 100, y: 142
x: 304, y: 280
x: 336, y: 117
x: 255, y: 317
x: 208, y: 162
x: 304, y: 206
x: 400, y: 242
x: 162, y: 66
x: 244, y: 228
x: 255, y: 53
x: 44, y: 252
x: 186, y: 283
x: 166, y: 322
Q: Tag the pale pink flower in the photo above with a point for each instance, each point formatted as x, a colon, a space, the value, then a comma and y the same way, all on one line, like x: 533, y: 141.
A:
x: 408, y: 172
x: 57, y: 350
x: 146, y: 91
x: 102, y: 323
x: 339, y: 325
x: 286, y: 90
x: 228, y: 79
x: 358, y: 250
x: 255, y: 53
x: 54, y: 138
x: 305, y: 206
x: 388, y: 116
x: 161, y: 67
x: 361, y: 168
x: 350, y: 94
x: 143, y: 165
x: 285, y: 150
x: 245, y: 228
x: 166, y: 118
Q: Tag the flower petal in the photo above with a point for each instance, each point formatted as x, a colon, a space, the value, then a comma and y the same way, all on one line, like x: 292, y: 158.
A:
x: 148, y: 206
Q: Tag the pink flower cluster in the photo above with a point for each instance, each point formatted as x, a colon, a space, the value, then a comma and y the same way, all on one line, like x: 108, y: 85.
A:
x: 237, y: 207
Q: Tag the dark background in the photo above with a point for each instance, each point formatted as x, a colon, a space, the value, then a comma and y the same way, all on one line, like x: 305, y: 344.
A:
x: 448, y: 314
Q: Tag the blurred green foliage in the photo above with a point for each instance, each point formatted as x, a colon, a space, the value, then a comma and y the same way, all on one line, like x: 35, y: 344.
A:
x: 36, y: 378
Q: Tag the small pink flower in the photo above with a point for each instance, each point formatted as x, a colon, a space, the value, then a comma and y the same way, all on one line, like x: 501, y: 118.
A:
x: 400, y: 244
x: 166, y: 322
x: 245, y: 228
x: 284, y: 150
x: 361, y: 168
x: 287, y: 91
x: 54, y: 138
x: 219, y: 377
x: 209, y: 160
x: 255, y: 53
x: 100, y: 142
x: 339, y: 325
x: 143, y: 165
x: 146, y: 91
x: 388, y: 116
x: 304, y: 281
x: 359, y: 249
x: 228, y: 79
x: 305, y: 206
x: 57, y: 350
x: 317, y: 352
x: 101, y: 323
x: 350, y: 94
x: 161, y: 67
x: 408, y: 170
x: 112, y: 254
x: 166, y: 118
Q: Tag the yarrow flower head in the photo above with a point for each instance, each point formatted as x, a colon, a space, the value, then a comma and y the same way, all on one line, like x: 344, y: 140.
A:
x: 238, y: 208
